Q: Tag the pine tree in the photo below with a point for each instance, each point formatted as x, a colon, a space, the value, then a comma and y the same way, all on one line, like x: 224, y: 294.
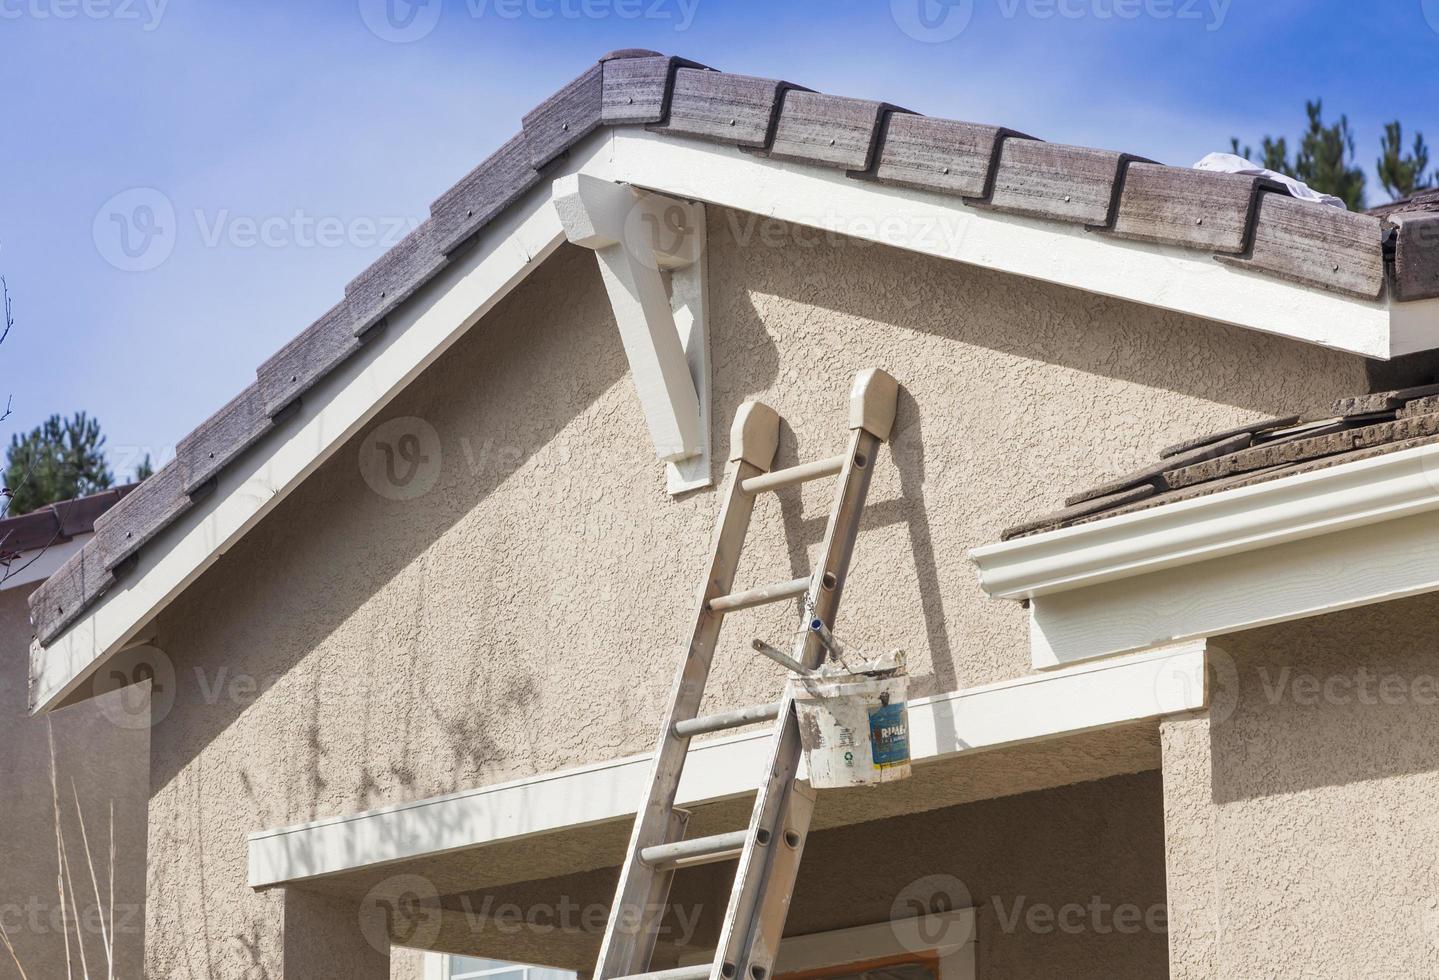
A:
x: 57, y: 460
x: 1402, y: 175
x: 1326, y: 158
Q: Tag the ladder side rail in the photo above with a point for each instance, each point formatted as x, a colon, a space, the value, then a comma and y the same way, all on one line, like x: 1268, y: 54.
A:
x: 768, y: 865
x: 630, y: 936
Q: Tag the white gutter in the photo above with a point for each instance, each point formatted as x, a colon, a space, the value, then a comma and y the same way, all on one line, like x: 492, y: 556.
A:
x: 1353, y: 534
x: 1229, y: 522
x: 1084, y: 698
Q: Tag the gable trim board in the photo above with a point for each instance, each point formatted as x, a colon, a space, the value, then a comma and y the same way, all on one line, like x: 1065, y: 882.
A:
x: 1084, y: 698
x: 1353, y: 534
x: 499, y: 223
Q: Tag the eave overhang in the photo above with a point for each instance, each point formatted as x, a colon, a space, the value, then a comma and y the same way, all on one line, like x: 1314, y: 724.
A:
x: 1350, y: 535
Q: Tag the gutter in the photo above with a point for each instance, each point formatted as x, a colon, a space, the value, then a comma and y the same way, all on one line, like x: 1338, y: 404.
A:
x: 1230, y: 522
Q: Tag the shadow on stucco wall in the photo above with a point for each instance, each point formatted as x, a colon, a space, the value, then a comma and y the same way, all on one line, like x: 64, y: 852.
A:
x: 1345, y: 699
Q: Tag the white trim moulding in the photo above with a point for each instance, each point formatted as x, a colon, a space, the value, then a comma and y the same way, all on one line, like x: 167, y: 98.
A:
x: 1039, y: 706
x: 1317, y: 542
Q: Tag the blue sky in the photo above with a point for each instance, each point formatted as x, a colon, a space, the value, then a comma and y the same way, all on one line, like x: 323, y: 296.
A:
x: 293, y: 139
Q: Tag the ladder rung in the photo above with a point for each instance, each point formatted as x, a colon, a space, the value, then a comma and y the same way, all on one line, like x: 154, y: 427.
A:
x: 802, y: 473
x: 700, y: 850
x: 760, y: 596
x: 727, y: 719
x: 699, y: 971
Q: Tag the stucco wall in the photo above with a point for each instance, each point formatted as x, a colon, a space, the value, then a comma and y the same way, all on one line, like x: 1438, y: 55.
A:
x: 101, y: 767
x: 1302, y: 810
x: 1067, y: 882
x: 369, y: 643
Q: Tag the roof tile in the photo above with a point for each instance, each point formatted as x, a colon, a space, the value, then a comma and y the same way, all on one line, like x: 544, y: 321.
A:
x: 941, y: 155
x: 460, y: 212
x: 1189, y: 208
x: 636, y: 87
x: 1416, y: 256
x: 1316, y: 245
x: 1057, y: 182
x: 62, y: 597
x: 565, y: 118
x: 125, y: 528
x: 829, y: 130
x: 734, y: 109
x: 220, y: 438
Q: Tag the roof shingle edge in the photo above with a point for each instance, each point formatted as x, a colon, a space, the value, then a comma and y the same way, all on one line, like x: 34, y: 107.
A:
x: 639, y: 87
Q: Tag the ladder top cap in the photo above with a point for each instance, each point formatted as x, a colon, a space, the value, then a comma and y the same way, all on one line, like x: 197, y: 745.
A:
x: 872, y: 402
x: 754, y: 437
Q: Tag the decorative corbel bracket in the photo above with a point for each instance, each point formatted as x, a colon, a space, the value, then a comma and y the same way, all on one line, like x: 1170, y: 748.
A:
x: 651, y: 255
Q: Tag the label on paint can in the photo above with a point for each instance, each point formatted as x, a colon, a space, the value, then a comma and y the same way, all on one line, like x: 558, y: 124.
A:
x: 889, y: 735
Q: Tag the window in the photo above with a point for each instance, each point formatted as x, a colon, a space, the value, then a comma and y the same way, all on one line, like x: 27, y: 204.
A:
x: 441, y: 966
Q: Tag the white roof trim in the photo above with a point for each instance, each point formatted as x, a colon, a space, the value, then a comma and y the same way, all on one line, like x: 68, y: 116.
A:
x: 337, y: 407
x: 1183, y: 280
x: 1330, y: 539
x: 517, y: 242
x: 1088, y: 697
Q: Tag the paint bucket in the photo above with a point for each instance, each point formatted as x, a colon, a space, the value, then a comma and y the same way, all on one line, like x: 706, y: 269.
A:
x: 853, y: 723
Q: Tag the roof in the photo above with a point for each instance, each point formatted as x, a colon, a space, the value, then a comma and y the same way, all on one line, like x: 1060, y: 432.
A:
x: 1358, y: 428
x: 1240, y: 220
x: 56, y: 523
x: 1420, y: 202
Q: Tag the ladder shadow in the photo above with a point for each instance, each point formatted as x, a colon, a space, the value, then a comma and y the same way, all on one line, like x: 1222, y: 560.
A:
x: 906, y: 453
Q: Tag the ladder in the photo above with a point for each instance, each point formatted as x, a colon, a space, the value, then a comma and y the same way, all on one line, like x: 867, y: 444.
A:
x: 769, y: 850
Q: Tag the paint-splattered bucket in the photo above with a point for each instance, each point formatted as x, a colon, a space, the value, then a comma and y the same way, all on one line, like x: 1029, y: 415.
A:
x: 853, y: 723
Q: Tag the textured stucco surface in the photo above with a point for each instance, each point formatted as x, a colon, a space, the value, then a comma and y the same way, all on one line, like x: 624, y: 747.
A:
x: 1302, y: 810
x: 522, y: 615
x: 101, y: 761
x: 1067, y: 882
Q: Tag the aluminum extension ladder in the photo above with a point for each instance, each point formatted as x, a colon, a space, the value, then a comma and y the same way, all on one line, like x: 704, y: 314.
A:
x: 769, y: 850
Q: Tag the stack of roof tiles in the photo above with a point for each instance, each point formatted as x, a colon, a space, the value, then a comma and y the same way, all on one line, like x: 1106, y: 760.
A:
x: 1361, y: 426
x: 1240, y: 220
